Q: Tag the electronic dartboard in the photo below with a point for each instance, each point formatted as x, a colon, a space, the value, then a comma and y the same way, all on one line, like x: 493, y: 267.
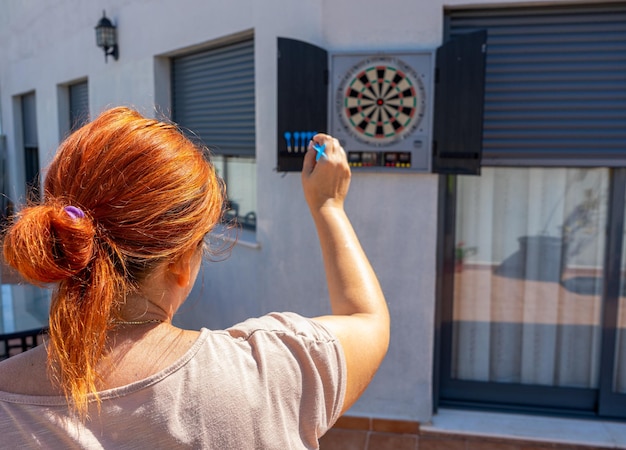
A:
x: 382, y: 109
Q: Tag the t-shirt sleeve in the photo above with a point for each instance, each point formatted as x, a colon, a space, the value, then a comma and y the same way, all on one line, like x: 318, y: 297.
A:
x: 303, y: 366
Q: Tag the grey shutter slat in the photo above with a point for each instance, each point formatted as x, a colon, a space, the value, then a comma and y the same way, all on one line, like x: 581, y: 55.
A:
x: 79, y: 104
x: 555, y: 84
x: 29, y: 121
x: 213, y: 97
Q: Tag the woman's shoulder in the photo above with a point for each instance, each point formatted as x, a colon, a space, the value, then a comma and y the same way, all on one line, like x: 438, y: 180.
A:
x: 26, y: 373
x: 282, y: 323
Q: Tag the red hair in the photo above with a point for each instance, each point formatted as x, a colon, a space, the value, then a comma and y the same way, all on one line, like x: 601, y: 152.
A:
x: 148, y: 194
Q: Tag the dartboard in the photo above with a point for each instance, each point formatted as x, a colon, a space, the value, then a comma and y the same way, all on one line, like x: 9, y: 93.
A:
x: 380, y: 100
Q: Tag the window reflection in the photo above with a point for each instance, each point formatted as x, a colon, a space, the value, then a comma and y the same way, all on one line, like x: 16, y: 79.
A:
x: 528, y: 278
x: 239, y: 173
x: 620, y: 343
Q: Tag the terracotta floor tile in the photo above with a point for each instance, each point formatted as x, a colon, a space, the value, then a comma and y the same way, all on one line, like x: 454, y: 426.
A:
x: 540, y: 447
x: 548, y: 446
x: 440, y: 443
x: 392, y: 441
x: 396, y: 426
x: 337, y: 439
x: 476, y: 444
x: 353, y: 423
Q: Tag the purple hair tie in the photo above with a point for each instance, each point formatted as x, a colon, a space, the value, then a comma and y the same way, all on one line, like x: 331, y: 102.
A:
x: 74, y: 212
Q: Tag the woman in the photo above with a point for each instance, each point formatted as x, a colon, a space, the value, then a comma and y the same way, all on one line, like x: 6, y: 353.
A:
x: 128, y: 202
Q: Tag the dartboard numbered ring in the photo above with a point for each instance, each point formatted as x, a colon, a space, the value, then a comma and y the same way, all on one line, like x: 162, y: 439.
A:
x: 380, y: 101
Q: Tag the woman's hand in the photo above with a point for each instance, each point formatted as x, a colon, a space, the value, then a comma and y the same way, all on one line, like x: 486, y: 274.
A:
x: 325, y: 181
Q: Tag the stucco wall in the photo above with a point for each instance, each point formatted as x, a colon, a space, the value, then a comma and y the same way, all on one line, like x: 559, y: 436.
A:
x: 47, y: 44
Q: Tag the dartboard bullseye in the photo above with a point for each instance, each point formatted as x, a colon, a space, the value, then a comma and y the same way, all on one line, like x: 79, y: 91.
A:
x: 380, y: 101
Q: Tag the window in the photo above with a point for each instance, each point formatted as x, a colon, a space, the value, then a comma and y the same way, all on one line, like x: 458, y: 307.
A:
x: 214, y: 100
x: 6, y: 206
x: 532, y: 287
x: 79, y: 104
x: 24, y: 306
x: 31, y: 145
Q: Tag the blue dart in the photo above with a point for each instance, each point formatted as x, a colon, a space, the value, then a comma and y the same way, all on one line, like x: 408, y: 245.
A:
x: 320, y: 150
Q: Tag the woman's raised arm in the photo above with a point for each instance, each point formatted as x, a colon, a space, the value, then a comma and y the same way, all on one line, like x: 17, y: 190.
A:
x: 360, y: 318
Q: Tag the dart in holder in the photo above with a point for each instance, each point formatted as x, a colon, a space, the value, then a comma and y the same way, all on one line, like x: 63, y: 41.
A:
x: 298, y: 141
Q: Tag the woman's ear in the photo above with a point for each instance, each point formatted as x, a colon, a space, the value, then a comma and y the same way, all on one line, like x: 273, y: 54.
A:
x: 181, y: 268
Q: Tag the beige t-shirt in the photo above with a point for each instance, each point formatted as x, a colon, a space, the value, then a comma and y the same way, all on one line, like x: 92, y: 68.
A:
x: 276, y: 382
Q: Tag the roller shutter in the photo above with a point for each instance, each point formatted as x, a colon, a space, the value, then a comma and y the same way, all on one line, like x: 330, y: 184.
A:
x: 555, y: 84
x: 213, y: 97
x: 79, y: 104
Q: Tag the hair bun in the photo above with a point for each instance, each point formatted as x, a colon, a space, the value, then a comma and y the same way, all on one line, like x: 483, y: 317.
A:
x: 48, y: 244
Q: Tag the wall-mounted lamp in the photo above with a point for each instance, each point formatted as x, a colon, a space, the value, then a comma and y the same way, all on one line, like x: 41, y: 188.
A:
x: 106, y: 37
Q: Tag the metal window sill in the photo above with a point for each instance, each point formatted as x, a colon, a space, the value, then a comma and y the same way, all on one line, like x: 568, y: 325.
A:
x: 541, y: 429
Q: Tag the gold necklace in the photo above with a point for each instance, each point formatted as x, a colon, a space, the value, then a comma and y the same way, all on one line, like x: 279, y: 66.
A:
x: 136, y: 322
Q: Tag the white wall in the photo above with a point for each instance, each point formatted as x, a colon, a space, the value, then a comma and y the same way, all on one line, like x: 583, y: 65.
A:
x: 44, y: 44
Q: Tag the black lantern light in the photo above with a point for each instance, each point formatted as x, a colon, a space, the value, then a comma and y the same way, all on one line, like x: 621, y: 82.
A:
x: 106, y: 37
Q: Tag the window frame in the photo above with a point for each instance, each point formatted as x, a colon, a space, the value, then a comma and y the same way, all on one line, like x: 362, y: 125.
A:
x: 30, y: 145
x: 238, y: 47
x: 78, y: 90
x: 513, y: 397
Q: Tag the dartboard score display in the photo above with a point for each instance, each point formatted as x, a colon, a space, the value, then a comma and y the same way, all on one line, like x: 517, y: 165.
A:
x: 382, y: 110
